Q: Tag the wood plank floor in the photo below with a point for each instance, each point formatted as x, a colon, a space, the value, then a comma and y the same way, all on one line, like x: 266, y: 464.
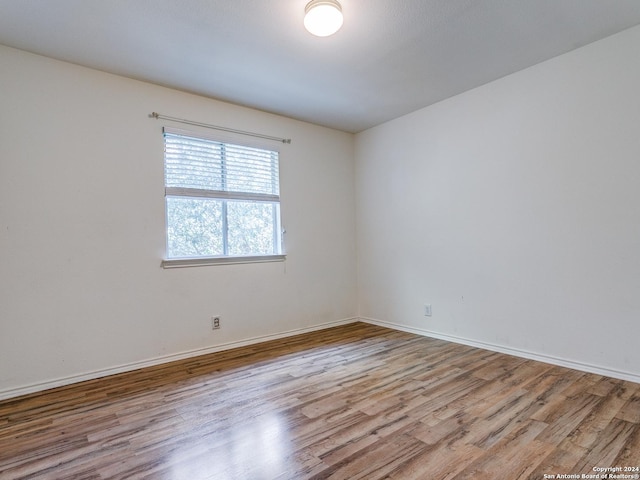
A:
x: 352, y: 402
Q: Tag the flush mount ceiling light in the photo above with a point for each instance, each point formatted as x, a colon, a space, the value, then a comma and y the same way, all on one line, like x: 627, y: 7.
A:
x: 323, y: 17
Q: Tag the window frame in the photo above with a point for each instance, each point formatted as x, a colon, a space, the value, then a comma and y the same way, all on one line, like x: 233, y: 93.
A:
x: 224, y: 197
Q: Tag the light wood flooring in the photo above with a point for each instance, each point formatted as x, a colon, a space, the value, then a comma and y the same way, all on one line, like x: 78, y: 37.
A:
x: 351, y: 402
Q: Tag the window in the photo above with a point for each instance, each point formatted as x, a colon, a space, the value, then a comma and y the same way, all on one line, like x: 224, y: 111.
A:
x: 222, y: 201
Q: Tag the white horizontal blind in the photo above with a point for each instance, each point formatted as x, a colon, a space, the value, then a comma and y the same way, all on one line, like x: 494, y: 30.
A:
x: 205, y: 168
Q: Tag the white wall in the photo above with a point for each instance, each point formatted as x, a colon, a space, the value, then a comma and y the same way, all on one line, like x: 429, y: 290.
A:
x: 82, y: 229
x: 514, y: 209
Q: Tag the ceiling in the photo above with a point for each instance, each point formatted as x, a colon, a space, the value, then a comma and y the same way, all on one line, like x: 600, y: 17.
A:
x: 391, y: 57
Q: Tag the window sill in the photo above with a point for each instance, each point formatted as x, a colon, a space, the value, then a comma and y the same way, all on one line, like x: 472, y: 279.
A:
x: 203, y: 262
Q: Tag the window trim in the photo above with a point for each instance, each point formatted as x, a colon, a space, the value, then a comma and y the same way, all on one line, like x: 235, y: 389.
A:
x: 181, y: 262
x: 229, y: 260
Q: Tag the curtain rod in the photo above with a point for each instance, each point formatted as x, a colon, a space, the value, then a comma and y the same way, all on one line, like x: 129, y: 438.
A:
x: 158, y: 116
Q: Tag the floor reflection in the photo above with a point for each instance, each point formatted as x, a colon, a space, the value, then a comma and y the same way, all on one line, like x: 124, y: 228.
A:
x: 256, y: 450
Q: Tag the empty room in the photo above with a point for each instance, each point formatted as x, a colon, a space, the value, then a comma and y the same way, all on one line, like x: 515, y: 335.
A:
x: 327, y: 239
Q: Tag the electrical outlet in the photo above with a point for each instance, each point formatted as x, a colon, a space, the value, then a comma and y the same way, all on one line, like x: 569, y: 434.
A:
x: 215, y: 323
x: 427, y: 309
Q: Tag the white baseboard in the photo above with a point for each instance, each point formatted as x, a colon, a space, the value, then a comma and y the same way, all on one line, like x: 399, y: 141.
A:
x: 562, y: 362
x: 60, y: 382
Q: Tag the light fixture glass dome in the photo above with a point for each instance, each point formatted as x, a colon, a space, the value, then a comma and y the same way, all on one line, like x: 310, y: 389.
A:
x: 323, y: 17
